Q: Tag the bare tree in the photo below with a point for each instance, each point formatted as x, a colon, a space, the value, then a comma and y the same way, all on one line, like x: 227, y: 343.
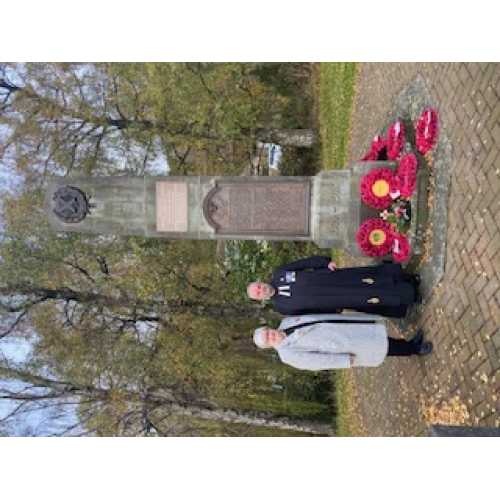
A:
x: 134, y: 417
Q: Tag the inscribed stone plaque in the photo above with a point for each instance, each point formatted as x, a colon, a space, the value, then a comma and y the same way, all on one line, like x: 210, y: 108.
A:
x: 280, y: 208
x: 171, y: 207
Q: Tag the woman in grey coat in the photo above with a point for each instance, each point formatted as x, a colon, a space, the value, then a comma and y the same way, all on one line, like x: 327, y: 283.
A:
x: 328, y: 341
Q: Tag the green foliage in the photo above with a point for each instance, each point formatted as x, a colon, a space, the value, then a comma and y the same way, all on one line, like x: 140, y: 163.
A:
x: 78, y: 119
x: 300, y: 161
x: 395, y: 215
x: 203, y: 117
x: 247, y: 261
x: 292, y: 82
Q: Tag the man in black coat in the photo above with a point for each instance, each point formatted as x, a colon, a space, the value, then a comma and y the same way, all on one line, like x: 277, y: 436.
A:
x: 315, y: 285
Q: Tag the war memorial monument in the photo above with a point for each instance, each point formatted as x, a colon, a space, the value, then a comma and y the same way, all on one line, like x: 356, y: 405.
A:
x: 325, y: 208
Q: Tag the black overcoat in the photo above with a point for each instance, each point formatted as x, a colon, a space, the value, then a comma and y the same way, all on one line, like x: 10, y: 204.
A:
x: 307, y: 286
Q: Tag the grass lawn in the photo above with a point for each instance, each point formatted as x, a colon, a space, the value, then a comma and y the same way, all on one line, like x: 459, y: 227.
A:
x: 335, y: 93
x: 335, y: 87
x: 347, y: 421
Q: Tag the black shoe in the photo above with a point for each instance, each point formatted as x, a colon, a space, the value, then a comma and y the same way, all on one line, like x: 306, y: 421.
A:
x: 418, y: 338
x: 425, y: 348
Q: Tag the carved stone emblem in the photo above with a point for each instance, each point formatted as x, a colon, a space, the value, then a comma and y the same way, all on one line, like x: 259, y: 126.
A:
x: 70, y: 204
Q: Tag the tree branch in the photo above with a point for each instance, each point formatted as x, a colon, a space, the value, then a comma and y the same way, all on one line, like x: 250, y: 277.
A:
x: 14, y: 324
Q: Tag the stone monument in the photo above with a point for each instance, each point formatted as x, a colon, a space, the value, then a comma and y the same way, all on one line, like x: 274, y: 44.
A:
x: 325, y: 208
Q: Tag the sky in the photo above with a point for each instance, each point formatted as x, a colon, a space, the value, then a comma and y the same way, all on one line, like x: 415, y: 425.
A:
x: 18, y: 350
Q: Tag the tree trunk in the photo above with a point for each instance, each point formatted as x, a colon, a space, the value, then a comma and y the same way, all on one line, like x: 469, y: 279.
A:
x: 300, y: 138
x: 253, y: 419
x: 175, y: 404
x: 222, y: 310
x: 41, y: 294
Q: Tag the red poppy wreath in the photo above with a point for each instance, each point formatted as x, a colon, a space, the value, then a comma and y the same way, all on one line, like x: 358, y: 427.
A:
x: 426, y: 130
x: 376, y: 187
x: 375, y: 237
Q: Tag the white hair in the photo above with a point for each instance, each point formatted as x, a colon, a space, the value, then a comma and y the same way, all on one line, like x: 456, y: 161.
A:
x: 258, y: 337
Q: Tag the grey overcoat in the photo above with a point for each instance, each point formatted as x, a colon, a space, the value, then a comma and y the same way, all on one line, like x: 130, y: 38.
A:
x: 325, y: 346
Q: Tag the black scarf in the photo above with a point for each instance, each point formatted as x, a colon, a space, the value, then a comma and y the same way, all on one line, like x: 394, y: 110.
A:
x: 291, y: 329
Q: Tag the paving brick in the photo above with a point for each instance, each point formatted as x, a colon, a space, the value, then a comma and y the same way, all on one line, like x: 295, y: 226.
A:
x: 495, y: 133
x: 490, y: 96
x: 488, y: 200
x: 454, y: 80
x: 494, y: 310
x: 482, y: 411
x: 469, y: 221
x: 492, y: 249
x: 483, y: 302
x: 493, y: 357
x: 484, y: 240
x: 473, y: 69
x: 487, y: 265
x: 492, y: 122
x: 471, y: 242
x: 477, y: 396
x: 468, y: 97
x: 496, y: 341
x: 479, y: 283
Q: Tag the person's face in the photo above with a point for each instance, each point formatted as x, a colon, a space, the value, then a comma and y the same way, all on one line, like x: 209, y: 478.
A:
x: 260, y: 291
x: 273, y: 338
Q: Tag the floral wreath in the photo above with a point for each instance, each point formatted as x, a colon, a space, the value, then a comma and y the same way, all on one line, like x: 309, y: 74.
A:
x: 376, y: 187
x: 375, y: 237
x: 426, y: 131
x: 390, y: 191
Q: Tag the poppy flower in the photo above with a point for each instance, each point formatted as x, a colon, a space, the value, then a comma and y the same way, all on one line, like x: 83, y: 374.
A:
x: 375, y: 237
x: 427, y: 130
x: 375, y: 187
x: 400, y: 248
x: 378, y: 150
x: 395, y: 191
x: 395, y: 140
x: 406, y: 175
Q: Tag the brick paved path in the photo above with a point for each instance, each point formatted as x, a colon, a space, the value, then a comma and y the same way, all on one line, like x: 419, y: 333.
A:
x: 460, y: 381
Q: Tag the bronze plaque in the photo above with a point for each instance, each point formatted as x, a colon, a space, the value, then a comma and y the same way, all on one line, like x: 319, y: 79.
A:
x: 171, y: 207
x: 260, y: 208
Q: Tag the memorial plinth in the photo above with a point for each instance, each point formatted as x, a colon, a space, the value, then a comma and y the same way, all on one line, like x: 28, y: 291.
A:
x: 325, y: 209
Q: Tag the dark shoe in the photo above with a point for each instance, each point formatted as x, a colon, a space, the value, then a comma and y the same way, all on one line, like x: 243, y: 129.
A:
x: 418, y: 338
x: 425, y: 348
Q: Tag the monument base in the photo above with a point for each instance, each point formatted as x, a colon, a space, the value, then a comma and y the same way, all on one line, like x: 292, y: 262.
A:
x: 337, y: 210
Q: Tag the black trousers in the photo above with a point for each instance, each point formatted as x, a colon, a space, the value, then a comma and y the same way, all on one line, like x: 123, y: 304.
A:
x: 400, y: 347
x: 394, y: 311
x: 387, y: 311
